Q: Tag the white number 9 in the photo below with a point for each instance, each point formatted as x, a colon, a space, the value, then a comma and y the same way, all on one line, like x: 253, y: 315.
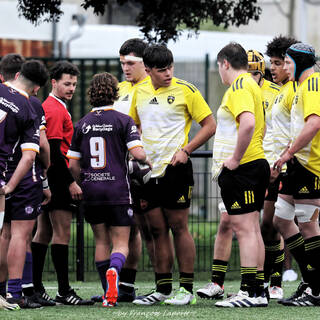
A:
x: 98, y: 152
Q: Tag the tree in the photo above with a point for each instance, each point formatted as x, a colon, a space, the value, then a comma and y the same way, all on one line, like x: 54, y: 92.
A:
x: 159, y: 20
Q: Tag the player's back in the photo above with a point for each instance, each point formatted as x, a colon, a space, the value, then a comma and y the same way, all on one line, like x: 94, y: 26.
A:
x: 105, y: 137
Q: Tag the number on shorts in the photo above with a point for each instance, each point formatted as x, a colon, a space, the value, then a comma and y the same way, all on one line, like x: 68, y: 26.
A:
x: 98, y: 152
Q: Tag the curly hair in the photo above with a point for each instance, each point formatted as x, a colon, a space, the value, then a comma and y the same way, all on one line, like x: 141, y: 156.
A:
x: 278, y: 46
x: 103, y: 90
x: 61, y: 67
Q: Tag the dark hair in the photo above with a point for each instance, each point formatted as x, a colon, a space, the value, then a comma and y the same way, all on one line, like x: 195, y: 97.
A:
x: 135, y: 46
x: 61, y: 67
x: 35, y: 71
x: 11, y: 64
x: 235, y: 54
x: 157, y: 56
x: 278, y: 46
x: 103, y: 90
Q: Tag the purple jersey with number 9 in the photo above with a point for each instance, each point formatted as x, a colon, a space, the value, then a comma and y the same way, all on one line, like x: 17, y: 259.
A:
x: 101, y: 141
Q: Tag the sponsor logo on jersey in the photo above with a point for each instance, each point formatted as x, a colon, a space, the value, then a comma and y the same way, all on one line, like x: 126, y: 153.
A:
x: 133, y: 129
x: 154, y: 101
x: 85, y: 128
x: 102, y: 127
x: 181, y: 200
x: 8, y: 104
x: 170, y: 99
x: 236, y: 205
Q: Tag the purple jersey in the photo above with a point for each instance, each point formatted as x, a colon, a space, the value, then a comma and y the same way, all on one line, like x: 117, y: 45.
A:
x: 36, y: 169
x: 101, y: 141
x: 18, y: 124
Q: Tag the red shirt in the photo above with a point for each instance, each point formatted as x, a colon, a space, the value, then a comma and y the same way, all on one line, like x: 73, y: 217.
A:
x: 59, y: 123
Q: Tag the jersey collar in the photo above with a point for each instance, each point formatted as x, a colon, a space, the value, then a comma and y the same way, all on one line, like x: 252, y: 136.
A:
x: 7, y: 83
x: 105, y: 108
x: 61, y: 101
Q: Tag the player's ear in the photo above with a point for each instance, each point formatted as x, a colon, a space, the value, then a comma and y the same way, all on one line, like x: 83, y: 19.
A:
x: 226, y: 64
x: 148, y: 70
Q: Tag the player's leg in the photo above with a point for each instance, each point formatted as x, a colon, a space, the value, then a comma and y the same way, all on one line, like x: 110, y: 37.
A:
x: 20, y: 233
x: 146, y: 236
x: 221, y: 256
x: 102, y: 251
x: 61, y: 226
x: 5, y: 236
x: 274, y: 254
x: 185, y: 252
x: 120, y: 225
x: 39, y: 247
x: 163, y: 258
x: 129, y: 270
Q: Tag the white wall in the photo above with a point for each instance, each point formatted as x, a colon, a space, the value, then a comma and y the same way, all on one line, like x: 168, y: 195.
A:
x: 103, y: 41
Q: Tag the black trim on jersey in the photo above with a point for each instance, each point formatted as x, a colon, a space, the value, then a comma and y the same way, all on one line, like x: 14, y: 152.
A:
x: 312, y: 86
x: 187, y: 85
x: 294, y: 86
x: 238, y: 85
x: 273, y: 86
x: 58, y: 160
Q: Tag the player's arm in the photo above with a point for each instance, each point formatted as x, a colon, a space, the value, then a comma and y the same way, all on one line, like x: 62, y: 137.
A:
x: 74, y: 167
x: 57, y: 159
x: 44, y: 155
x: 245, y: 132
x: 139, y: 154
x: 208, y: 129
x: 309, y: 130
x: 75, y: 190
x: 24, y: 165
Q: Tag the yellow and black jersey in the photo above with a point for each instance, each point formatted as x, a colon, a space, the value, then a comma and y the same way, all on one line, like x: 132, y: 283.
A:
x: 281, y: 115
x: 244, y: 95
x: 125, y: 95
x: 306, y: 103
x: 269, y: 91
x: 165, y: 116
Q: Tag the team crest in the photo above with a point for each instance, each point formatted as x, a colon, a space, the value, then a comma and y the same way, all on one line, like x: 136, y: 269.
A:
x: 170, y: 99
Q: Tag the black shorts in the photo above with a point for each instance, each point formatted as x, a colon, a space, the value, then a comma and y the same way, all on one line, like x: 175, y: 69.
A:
x: 302, y: 183
x: 60, y: 195
x: 172, y: 191
x: 243, y: 189
x: 273, y: 189
x: 111, y: 215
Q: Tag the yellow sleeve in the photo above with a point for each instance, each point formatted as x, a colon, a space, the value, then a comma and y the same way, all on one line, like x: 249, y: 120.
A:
x: 311, y: 103
x: 242, y: 100
x: 133, y: 109
x: 197, y: 106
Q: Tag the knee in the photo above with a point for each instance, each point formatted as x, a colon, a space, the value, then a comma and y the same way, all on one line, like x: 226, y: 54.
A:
x: 158, y: 232
x: 225, y: 228
x: 178, y: 228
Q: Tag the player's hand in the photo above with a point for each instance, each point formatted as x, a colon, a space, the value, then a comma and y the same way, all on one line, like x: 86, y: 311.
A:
x: 6, y: 189
x: 148, y: 162
x: 47, y: 196
x: 274, y: 174
x: 75, y: 191
x: 285, y: 157
x: 179, y: 157
x: 231, y: 163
